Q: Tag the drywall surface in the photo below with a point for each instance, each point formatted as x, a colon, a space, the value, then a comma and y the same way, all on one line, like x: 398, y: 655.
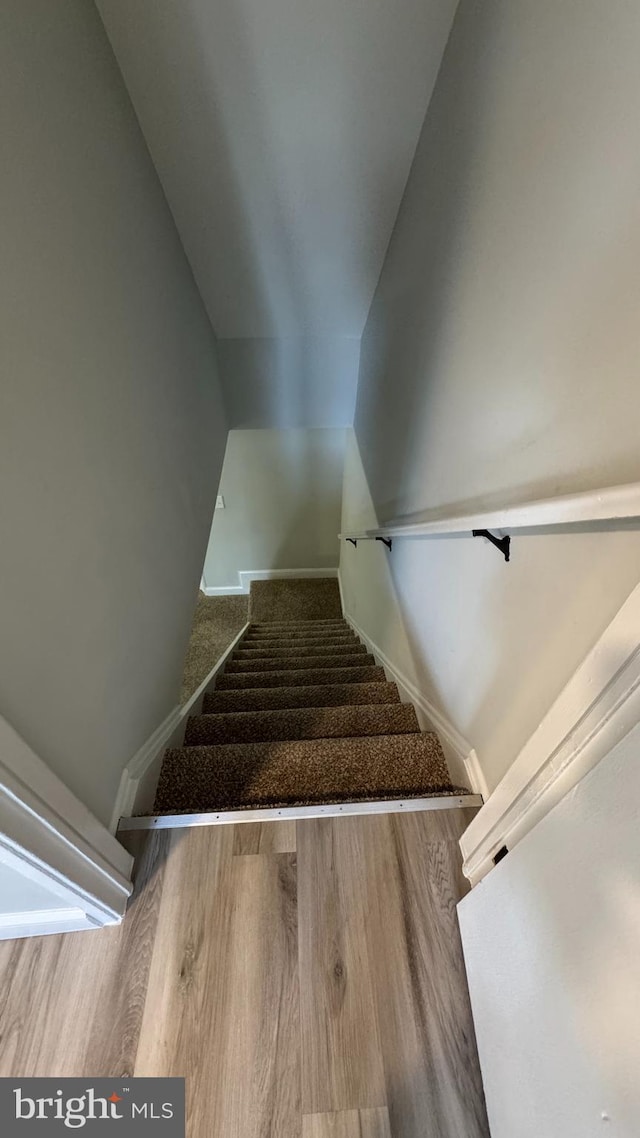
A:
x: 283, y: 133
x: 499, y: 360
x: 282, y: 492
x: 551, y: 949
x: 284, y: 383
x: 111, y: 426
x: 489, y: 644
x: 499, y: 357
x: 18, y: 894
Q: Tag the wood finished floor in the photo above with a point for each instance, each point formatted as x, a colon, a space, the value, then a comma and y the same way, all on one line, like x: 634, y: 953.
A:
x: 307, y: 978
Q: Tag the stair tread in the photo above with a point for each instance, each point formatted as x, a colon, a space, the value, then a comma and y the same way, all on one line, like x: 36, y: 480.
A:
x: 295, y: 663
x: 302, y: 695
x: 301, y: 772
x: 291, y: 677
x: 301, y: 723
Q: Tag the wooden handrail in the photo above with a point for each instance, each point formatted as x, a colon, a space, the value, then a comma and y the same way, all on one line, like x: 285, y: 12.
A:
x: 609, y: 504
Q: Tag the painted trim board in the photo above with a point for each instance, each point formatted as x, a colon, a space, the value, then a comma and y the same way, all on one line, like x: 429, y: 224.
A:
x: 224, y: 591
x: 136, y: 770
x: 598, y: 706
x: 14, y: 926
x: 300, y: 813
x: 49, y: 837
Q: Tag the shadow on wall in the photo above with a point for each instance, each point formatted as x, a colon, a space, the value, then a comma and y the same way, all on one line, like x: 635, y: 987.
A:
x: 497, y: 364
x: 411, y: 314
x: 290, y: 382
x: 372, y: 595
x: 275, y: 292
x: 278, y: 367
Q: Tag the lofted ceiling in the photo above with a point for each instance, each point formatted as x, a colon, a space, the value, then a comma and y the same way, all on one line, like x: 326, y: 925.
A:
x: 283, y: 132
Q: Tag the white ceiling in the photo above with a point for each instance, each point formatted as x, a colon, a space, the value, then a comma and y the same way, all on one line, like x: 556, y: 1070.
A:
x: 283, y: 133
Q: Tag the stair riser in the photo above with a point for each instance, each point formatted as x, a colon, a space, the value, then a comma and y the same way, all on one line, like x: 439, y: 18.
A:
x: 305, y: 676
x: 321, y: 695
x: 298, y: 625
x: 283, y: 641
x: 297, y: 663
x: 302, y: 723
x: 288, y: 637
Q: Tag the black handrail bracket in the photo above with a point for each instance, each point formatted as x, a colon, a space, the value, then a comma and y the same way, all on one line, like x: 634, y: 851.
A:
x: 501, y: 543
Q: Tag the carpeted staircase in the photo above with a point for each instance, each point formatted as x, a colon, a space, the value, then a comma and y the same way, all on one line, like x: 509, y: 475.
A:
x: 300, y: 716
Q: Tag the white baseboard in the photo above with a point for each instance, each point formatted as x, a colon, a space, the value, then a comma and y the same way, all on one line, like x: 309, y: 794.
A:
x: 48, y: 837
x: 140, y: 777
x: 464, y: 767
x: 598, y: 707
x: 224, y: 591
x: 42, y: 923
x: 342, y: 604
x: 136, y: 770
x: 246, y: 576
x: 477, y: 781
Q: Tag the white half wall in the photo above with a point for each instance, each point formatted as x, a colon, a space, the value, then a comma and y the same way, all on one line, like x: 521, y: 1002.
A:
x: 290, y: 382
x: 282, y: 494
x: 550, y: 941
x: 112, y: 429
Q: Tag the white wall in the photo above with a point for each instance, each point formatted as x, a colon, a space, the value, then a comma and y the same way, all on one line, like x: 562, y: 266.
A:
x: 20, y: 895
x: 283, y: 135
x: 295, y: 382
x: 29, y: 908
x: 489, y: 644
x: 499, y: 361
x: 551, y: 948
x: 111, y: 426
x: 282, y: 492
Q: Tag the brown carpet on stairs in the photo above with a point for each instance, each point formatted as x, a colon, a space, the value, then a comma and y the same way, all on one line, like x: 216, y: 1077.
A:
x: 302, y: 695
x: 299, y: 648
x: 239, y: 776
x: 301, y: 715
x: 298, y: 663
x: 316, y: 633
x: 301, y: 723
x: 291, y: 600
x: 216, y: 623
x: 291, y: 677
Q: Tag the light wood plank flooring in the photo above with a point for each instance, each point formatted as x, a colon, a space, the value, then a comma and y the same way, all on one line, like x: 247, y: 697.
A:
x: 306, y: 978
